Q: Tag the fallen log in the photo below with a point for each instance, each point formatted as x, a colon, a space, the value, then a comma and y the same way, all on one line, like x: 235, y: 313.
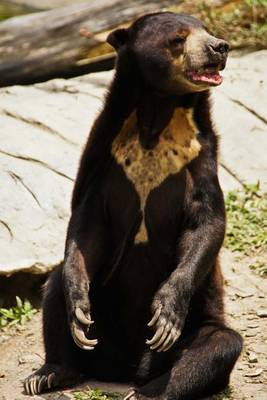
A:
x: 50, y: 44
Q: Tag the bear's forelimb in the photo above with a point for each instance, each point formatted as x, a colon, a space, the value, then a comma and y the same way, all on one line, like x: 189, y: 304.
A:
x: 197, y: 250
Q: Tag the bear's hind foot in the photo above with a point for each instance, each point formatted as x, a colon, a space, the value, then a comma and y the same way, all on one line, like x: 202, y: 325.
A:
x: 50, y: 376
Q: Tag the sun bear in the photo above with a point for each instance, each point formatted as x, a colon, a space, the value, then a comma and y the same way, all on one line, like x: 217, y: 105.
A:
x: 140, y: 295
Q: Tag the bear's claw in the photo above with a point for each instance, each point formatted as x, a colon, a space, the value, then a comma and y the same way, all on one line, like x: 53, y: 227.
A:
x: 36, y: 384
x: 155, y: 316
x: 82, y: 318
x: 81, y: 340
x: 131, y: 395
x: 166, y: 332
x: 79, y: 326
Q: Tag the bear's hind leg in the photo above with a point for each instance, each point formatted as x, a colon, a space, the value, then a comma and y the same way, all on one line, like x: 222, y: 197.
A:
x: 202, y: 367
x: 62, y: 355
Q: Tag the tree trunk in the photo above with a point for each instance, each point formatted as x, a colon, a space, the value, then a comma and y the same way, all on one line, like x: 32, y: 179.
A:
x: 50, y: 44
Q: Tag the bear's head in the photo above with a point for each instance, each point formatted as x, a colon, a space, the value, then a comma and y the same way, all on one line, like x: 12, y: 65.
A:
x: 173, y: 52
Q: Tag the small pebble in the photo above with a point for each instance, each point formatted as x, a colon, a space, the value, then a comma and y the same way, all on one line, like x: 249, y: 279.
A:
x: 4, y: 338
x: 262, y: 313
x: 29, y: 358
x: 254, y: 374
x: 251, y: 317
x: 251, y: 334
x: 252, y: 357
x: 244, y: 294
x: 253, y: 325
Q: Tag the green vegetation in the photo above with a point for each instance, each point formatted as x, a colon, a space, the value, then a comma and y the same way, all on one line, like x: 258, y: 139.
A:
x: 252, y: 3
x: 243, y: 26
x: 242, y: 22
x: 96, y: 394
x: 8, y: 9
x: 260, y: 267
x: 19, y: 314
x: 90, y: 395
x: 247, y: 224
x: 247, y: 220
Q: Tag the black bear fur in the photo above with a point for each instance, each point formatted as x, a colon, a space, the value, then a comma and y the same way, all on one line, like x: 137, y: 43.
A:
x: 172, y: 271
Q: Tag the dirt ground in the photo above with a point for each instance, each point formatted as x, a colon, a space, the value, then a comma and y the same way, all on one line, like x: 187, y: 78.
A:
x: 21, y: 351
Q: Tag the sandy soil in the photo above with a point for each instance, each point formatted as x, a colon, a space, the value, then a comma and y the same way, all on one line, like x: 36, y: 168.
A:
x: 21, y: 351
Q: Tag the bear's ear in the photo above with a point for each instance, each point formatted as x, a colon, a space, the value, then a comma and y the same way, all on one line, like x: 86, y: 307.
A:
x: 118, y: 38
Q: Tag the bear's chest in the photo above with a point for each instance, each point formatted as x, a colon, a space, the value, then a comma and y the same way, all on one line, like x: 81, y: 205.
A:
x: 147, y: 169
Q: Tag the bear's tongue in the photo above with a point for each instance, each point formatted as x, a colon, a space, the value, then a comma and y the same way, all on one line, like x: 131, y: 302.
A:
x: 212, y: 77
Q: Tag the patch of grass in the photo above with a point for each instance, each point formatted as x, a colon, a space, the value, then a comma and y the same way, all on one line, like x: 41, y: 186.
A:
x: 18, y: 314
x: 96, y: 394
x: 247, y: 220
x: 241, y: 22
x: 9, y: 9
x: 260, y: 267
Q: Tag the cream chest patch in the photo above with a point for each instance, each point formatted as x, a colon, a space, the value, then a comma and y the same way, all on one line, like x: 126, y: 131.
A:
x: 147, y: 169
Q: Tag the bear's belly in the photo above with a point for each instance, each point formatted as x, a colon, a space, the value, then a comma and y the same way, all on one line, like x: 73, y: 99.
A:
x: 148, y: 170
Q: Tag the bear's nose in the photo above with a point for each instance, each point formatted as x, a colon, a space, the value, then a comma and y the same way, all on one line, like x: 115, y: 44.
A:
x: 220, y: 46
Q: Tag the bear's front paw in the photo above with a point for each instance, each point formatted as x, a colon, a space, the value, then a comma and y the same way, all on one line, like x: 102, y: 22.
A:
x: 168, y: 321
x: 79, y: 325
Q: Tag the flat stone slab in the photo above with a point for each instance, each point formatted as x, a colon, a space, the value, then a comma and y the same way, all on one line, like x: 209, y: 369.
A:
x: 43, y: 128
x: 240, y: 114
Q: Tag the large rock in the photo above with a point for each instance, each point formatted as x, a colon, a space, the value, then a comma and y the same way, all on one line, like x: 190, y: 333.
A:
x: 241, y: 115
x: 43, y: 128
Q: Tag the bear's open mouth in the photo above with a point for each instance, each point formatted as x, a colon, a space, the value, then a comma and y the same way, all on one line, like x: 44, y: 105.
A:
x: 208, y: 75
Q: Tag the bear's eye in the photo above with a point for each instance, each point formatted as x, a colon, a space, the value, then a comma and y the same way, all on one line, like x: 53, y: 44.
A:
x: 177, y: 40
